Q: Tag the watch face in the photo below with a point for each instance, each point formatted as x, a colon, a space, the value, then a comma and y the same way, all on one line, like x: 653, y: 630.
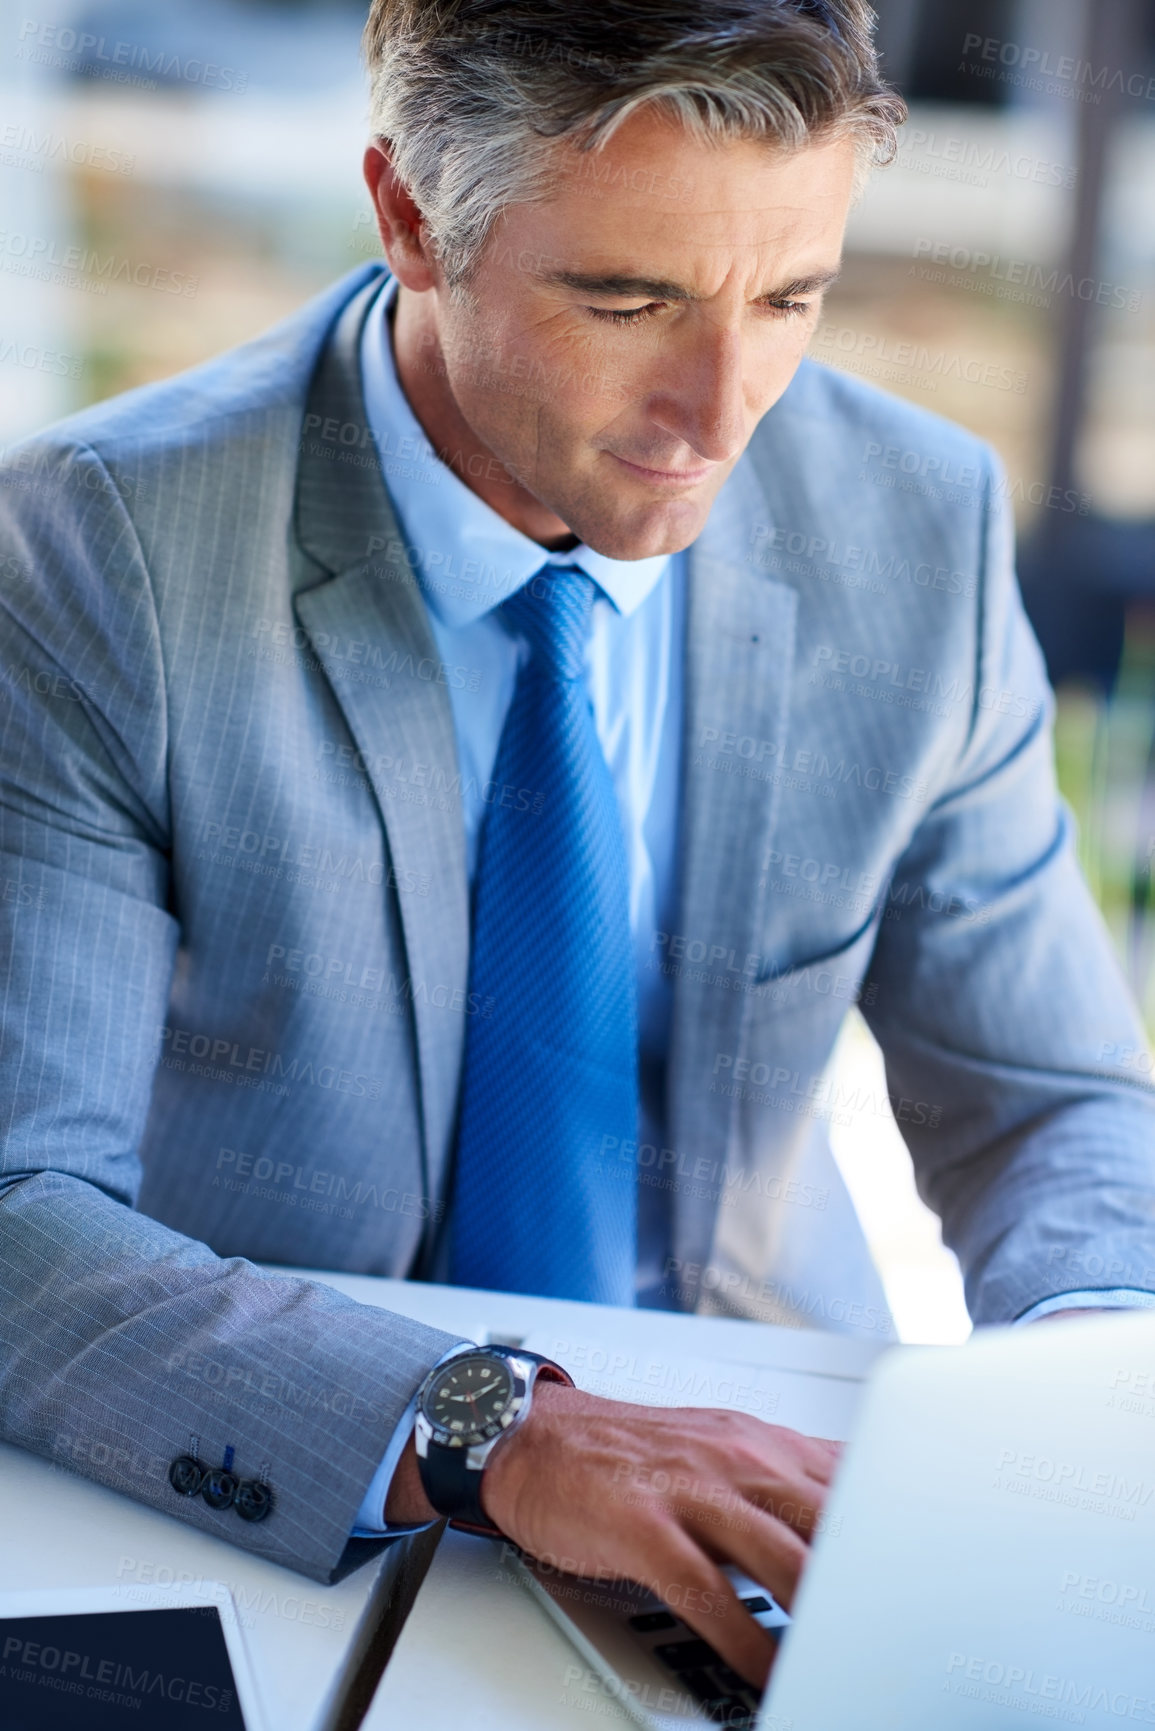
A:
x: 470, y: 1399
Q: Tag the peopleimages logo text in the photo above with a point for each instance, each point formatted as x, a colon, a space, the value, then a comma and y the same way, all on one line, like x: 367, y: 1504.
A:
x: 1064, y: 68
x: 87, y: 47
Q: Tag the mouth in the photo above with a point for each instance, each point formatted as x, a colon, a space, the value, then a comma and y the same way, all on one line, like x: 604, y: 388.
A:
x: 671, y: 478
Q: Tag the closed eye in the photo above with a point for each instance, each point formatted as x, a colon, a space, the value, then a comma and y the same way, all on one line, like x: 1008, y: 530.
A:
x: 638, y: 315
x: 631, y: 316
x: 787, y: 309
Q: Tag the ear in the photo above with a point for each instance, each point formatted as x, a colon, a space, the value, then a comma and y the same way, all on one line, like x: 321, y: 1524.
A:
x: 399, y: 221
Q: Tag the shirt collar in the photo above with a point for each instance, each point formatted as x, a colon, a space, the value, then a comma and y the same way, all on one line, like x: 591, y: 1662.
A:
x: 467, y: 558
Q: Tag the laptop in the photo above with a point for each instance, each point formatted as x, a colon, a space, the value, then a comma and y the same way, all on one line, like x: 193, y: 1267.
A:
x: 987, y: 1557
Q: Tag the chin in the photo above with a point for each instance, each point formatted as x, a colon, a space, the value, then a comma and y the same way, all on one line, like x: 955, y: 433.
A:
x: 662, y: 529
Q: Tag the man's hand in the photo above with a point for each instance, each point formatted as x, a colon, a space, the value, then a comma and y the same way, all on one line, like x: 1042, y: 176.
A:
x: 664, y: 1496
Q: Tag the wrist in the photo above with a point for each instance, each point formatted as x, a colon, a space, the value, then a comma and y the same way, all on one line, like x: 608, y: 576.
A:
x: 512, y: 1465
x: 405, y: 1501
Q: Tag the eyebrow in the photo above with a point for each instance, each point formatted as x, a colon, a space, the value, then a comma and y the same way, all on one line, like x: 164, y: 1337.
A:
x: 623, y: 286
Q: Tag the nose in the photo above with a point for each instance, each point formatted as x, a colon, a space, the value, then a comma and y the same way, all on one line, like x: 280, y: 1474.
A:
x: 702, y: 399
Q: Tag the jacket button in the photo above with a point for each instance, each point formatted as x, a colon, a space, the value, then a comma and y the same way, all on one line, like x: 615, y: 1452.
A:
x: 219, y: 1488
x: 253, y: 1500
x: 185, y: 1475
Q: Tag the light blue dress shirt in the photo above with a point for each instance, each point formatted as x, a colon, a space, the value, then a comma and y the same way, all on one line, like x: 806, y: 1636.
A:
x: 468, y: 560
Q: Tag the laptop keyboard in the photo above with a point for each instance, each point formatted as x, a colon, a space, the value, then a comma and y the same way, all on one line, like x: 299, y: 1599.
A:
x: 725, y: 1696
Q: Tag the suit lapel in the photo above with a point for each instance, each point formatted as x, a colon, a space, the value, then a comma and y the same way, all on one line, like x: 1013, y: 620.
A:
x: 346, y: 523
x: 738, y: 658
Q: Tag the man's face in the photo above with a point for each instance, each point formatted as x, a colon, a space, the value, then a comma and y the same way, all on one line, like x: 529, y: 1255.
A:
x: 618, y: 344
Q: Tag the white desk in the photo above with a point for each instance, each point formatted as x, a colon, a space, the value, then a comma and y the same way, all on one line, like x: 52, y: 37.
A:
x: 476, y: 1650
x: 307, y: 1642
x: 509, y: 1316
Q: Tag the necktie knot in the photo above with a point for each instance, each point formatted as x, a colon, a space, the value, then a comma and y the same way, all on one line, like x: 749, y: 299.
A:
x: 553, y: 612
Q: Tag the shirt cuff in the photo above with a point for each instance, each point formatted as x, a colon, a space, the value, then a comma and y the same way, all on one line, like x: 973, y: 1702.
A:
x: 371, y: 1522
x: 1115, y: 1298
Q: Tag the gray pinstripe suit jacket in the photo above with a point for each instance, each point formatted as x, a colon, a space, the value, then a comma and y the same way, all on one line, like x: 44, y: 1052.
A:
x: 235, y: 925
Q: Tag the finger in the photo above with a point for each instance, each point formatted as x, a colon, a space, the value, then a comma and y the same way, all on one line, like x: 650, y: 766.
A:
x: 762, y: 1546
x: 791, y: 1483
x: 768, y: 1461
x: 700, y: 1594
x: 797, y: 1502
x: 823, y: 1460
x: 818, y: 1457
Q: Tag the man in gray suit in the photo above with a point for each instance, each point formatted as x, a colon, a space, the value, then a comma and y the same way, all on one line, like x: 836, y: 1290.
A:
x: 262, y: 820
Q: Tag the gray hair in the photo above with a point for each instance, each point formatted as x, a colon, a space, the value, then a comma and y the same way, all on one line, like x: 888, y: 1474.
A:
x: 474, y: 96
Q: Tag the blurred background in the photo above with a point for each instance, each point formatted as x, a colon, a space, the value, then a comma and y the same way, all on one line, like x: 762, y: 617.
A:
x: 175, y: 175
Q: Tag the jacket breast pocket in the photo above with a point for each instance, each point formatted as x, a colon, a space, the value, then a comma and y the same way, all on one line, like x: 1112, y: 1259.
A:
x: 793, y: 1014
x: 836, y: 974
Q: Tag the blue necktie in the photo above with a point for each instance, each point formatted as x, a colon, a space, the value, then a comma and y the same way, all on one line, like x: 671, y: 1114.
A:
x: 543, y: 1201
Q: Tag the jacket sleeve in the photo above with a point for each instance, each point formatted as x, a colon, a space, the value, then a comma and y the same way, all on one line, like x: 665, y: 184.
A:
x: 126, y: 1344
x: 999, y: 1003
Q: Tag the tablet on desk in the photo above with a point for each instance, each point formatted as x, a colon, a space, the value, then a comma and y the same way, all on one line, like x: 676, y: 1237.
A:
x: 99, y: 1658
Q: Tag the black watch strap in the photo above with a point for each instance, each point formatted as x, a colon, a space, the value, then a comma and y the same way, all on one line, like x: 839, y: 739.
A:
x: 452, y: 1486
x: 453, y: 1490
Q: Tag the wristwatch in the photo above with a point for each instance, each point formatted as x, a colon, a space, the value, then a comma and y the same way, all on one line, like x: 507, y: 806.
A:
x: 465, y: 1409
